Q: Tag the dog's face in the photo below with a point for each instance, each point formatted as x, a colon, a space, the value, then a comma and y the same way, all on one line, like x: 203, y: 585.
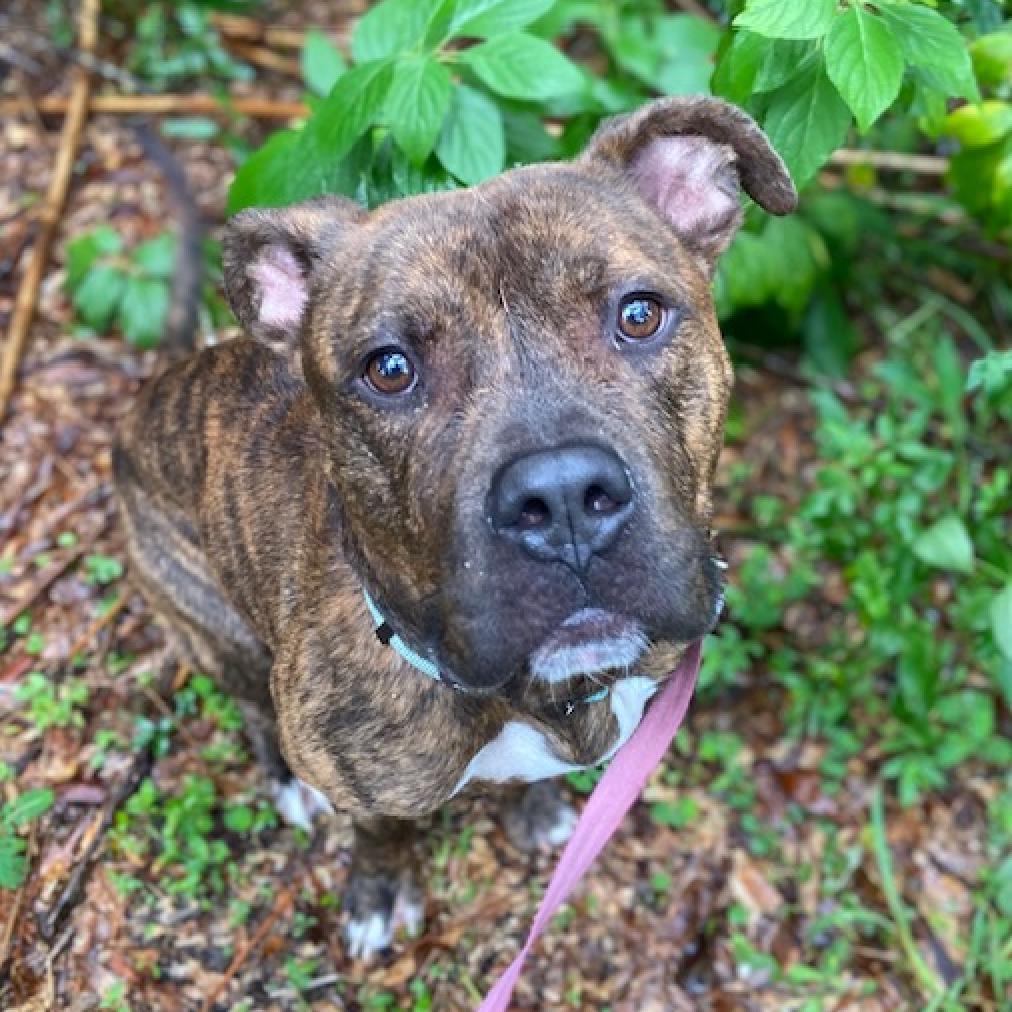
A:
x: 522, y: 389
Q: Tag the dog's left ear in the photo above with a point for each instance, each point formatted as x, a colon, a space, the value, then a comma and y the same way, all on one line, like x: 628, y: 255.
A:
x: 686, y: 157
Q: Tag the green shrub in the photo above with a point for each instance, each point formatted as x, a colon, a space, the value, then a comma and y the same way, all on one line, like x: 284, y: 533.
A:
x: 442, y: 93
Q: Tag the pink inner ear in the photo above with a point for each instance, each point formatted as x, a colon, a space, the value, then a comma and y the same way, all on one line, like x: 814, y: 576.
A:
x: 691, y: 182
x: 282, y: 287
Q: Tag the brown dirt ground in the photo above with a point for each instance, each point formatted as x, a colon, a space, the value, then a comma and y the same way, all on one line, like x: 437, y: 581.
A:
x: 624, y: 944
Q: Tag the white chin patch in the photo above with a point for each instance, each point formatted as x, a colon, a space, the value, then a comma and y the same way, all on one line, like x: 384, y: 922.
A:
x: 564, y: 662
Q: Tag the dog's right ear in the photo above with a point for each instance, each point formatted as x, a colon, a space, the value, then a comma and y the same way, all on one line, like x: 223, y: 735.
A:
x: 269, y: 258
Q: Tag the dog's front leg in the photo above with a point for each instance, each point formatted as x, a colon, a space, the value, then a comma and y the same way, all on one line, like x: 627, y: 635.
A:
x: 382, y: 894
x: 537, y: 816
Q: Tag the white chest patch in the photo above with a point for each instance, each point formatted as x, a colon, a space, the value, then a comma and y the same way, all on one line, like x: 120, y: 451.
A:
x: 521, y: 752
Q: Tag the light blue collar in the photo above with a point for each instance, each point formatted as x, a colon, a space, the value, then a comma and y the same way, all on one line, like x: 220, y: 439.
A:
x: 388, y: 637
x: 391, y: 639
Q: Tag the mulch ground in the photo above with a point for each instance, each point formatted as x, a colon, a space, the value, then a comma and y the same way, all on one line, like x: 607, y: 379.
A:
x: 659, y: 923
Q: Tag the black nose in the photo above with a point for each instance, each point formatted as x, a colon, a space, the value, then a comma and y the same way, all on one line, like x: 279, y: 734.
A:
x: 566, y: 504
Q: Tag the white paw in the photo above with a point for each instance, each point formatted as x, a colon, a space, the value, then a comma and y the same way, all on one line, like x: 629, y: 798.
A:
x: 409, y: 912
x: 297, y: 803
x: 370, y: 934
x: 561, y: 829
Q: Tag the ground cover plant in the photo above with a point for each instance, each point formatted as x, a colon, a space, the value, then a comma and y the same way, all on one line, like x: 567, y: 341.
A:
x: 833, y: 827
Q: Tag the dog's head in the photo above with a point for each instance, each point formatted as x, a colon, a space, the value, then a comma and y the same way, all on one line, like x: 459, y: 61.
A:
x: 522, y: 388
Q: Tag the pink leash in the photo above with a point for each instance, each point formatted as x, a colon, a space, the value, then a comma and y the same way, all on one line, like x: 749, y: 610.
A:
x: 612, y: 798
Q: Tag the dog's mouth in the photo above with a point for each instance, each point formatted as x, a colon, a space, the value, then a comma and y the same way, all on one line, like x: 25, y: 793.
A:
x: 590, y: 640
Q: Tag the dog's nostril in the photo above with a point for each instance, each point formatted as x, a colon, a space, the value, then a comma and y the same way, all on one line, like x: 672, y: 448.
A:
x: 535, y: 513
x: 596, y: 500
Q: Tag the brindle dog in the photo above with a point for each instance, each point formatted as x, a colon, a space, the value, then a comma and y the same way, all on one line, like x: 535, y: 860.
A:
x: 502, y: 432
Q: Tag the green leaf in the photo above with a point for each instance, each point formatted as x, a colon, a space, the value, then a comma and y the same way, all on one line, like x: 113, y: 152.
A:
x: 481, y: 18
x: 28, y: 806
x: 977, y: 126
x: 863, y: 61
x: 634, y: 48
x: 981, y: 180
x: 970, y: 713
x: 828, y: 333
x: 291, y: 167
x: 946, y: 545
x: 392, y: 27
x: 807, y: 121
x: 930, y: 41
x: 238, y: 818
x: 83, y: 251
x: 263, y: 179
x: 471, y: 145
x: 392, y: 174
x: 321, y: 61
x: 143, y: 310
x: 1003, y: 887
x: 350, y: 109
x: 992, y: 372
x: 98, y: 296
x: 12, y: 862
x: 191, y: 128
x: 1001, y: 620
x: 992, y: 57
x: 102, y: 569
x: 527, y: 140
x: 522, y: 66
x: 687, y: 46
x: 416, y: 104
x: 784, y: 60
x: 737, y: 66
x: 788, y: 19
x: 157, y: 257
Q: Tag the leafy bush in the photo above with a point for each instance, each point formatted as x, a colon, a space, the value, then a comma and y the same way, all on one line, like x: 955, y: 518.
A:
x: 129, y: 291
x: 912, y: 516
x: 441, y: 93
x: 112, y: 288
x: 51, y: 703
x: 980, y: 173
x: 174, y: 41
x: 183, y: 834
x: 456, y: 112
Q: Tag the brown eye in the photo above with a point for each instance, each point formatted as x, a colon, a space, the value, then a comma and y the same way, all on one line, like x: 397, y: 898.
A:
x: 639, y: 317
x: 389, y: 372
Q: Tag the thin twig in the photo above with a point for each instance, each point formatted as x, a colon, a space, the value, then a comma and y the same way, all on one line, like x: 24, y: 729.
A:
x: 283, y: 901
x: 94, y: 494
x: 261, y: 56
x: 925, y: 204
x: 96, y: 626
x: 52, y: 956
x: 163, y: 105
x: 238, y: 26
x: 898, y: 161
x: 56, y: 196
